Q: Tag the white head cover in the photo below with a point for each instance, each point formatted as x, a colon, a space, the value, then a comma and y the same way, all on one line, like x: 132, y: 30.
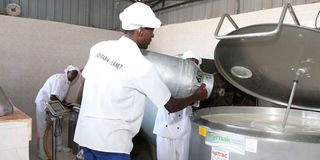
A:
x: 190, y: 54
x: 72, y: 68
x: 138, y: 15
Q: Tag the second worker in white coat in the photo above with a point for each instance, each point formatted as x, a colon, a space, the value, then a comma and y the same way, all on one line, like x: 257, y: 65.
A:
x: 56, y: 87
x: 173, y: 129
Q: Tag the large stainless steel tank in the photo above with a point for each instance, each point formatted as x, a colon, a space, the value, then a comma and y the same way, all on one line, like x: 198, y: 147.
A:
x: 182, y: 78
x: 254, y: 133
x: 264, y: 63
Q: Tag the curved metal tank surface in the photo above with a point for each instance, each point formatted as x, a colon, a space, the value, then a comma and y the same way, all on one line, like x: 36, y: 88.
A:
x: 265, y: 67
x: 182, y: 78
x: 254, y: 133
x: 6, y: 106
x: 278, y: 63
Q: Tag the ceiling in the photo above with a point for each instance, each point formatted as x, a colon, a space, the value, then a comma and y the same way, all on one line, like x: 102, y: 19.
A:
x: 160, y: 5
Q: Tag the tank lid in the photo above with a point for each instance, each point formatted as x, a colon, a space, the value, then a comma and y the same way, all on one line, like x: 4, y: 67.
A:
x: 265, y: 67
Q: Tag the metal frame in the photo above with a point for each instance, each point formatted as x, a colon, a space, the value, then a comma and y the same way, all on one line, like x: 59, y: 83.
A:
x: 164, y: 4
x: 286, y: 7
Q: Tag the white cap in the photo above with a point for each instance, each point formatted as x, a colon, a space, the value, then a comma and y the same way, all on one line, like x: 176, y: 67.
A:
x: 190, y: 54
x: 72, y: 68
x: 138, y: 15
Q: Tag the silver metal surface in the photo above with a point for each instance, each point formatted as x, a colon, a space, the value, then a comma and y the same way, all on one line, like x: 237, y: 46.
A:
x: 238, y: 127
x: 6, y: 106
x: 149, y: 118
x: 54, y: 135
x: 286, y: 115
x: 274, y: 62
x: 241, y: 72
x: 181, y: 76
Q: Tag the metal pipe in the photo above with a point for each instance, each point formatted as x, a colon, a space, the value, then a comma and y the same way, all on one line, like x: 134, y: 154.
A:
x: 54, y: 119
x: 299, y: 73
x: 286, y: 115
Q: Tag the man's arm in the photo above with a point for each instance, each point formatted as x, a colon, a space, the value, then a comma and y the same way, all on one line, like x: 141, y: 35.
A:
x: 63, y: 102
x: 177, y: 104
x: 54, y: 98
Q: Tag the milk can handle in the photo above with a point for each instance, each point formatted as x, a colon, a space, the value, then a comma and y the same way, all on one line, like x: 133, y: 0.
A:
x: 258, y: 34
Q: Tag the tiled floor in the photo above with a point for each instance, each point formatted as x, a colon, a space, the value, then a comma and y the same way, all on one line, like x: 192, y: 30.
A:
x: 142, y: 149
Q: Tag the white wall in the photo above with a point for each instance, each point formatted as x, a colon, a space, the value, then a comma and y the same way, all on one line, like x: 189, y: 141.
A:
x: 199, y: 35
x: 32, y: 50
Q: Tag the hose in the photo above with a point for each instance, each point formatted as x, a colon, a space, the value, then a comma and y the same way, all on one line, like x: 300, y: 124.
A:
x: 45, y: 143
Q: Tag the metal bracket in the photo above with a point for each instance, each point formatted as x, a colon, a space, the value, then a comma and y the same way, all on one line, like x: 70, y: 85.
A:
x: 286, y: 7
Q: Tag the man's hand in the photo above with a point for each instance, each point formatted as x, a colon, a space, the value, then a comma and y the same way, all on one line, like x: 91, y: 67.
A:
x: 67, y: 104
x: 177, y: 104
x: 201, y: 93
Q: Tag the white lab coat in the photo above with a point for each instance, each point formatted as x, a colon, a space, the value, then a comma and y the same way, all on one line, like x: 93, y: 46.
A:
x: 173, y: 149
x: 173, y: 129
x: 173, y: 134
x: 57, y: 84
x: 118, y: 78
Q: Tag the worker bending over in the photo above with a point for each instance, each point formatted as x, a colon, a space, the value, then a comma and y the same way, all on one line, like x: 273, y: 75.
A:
x: 55, y: 88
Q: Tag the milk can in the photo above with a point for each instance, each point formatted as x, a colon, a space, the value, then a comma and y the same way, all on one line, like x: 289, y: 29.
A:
x: 181, y: 76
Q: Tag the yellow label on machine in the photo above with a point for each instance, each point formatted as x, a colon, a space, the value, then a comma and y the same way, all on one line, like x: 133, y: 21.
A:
x: 202, y: 131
